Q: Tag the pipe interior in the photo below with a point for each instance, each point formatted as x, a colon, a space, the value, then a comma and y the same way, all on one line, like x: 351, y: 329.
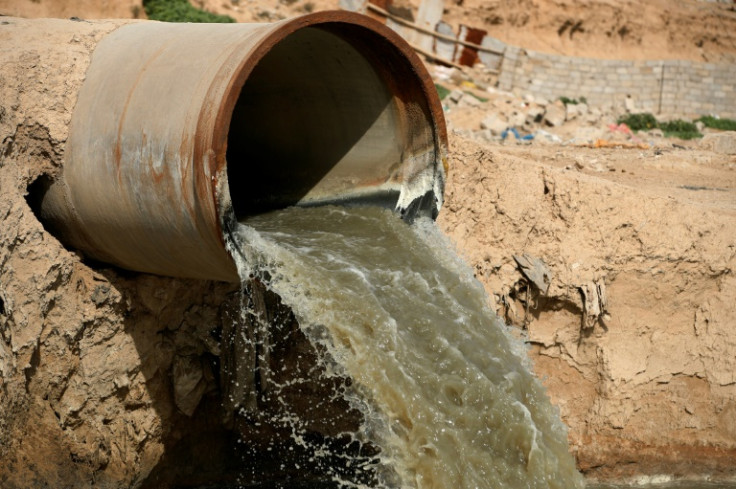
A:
x: 321, y: 119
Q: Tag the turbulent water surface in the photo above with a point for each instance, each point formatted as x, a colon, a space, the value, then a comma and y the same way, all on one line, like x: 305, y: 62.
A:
x: 444, y: 391
x: 668, y: 485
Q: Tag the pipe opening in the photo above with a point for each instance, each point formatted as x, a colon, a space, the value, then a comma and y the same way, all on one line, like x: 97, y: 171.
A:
x: 332, y: 113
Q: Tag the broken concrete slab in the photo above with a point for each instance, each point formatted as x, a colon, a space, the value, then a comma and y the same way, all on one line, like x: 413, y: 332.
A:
x: 720, y: 142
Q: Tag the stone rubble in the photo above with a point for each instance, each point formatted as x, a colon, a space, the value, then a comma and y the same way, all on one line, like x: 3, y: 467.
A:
x: 477, y: 110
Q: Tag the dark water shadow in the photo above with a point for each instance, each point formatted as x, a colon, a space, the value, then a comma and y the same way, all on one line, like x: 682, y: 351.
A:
x: 307, y: 104
x: 246, y: 443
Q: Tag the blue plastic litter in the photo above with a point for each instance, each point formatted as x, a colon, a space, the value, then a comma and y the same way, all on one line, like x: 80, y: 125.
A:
x: 512, y: 130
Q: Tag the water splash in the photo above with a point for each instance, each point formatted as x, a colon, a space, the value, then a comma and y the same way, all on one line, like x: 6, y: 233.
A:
x: 443, y: 394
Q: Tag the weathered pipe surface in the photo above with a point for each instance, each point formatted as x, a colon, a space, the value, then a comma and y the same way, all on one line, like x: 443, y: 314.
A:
x: 180, y: 129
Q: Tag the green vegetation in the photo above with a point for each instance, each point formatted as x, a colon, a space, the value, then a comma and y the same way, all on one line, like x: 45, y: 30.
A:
x: 722, y: 124
x: 646, y: 121
x: 677, y: 125
x: 680, y: 129
x: 180, y: 11
x: 442, y: 91
x: 639, y: 122
x: 573, y: 101
x: 683, y: 134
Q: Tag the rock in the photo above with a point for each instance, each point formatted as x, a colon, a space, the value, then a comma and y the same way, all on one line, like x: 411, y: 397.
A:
x: 469, y: 100
x: 699, y: 126
x: 455, y: 95
x: 573, y: 111
x: 189, y: 383
x: 485, y: 135
x: 546, y: 137
x: 657, y: 133
x: 534, y: 113
x: 720, y: 142
x: 593, y: 116
x: 555, y: 114
x: 517, y: 119
x: 494, y: 123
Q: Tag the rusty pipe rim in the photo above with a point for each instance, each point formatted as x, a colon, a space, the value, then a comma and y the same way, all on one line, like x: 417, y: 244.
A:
x: 280, y: 31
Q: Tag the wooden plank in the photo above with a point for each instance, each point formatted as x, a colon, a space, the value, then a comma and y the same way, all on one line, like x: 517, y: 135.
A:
x: 411, y: 25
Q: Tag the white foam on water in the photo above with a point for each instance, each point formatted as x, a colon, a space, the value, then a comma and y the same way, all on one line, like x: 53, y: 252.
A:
x: 444, y: 390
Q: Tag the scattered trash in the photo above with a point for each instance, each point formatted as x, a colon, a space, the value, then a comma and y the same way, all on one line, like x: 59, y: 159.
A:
x: 512, y: 130
x: 595, y: 302
x: 623, y: 128
x: 604, y: 143
x: 700, y: 187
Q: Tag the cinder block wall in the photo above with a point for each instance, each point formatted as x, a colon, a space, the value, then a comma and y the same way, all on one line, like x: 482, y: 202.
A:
x: 667, y: 89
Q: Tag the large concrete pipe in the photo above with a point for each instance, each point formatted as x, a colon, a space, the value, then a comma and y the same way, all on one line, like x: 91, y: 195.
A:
x: 180, y: 129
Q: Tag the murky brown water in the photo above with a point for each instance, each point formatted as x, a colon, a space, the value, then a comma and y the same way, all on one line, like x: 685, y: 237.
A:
x: 445, y: 391
x: 668, y: 485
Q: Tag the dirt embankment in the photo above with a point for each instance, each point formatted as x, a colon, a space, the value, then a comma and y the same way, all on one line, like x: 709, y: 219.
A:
x: 64, y: 9
x: 633, y: 336
x: 632, y: 29
x: 632, y: 239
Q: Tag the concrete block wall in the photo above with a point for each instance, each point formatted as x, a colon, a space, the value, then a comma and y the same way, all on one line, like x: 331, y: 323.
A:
x: 667, y: 88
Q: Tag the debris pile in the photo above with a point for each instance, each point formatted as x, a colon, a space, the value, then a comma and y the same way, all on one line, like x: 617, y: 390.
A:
x: 475, y: 109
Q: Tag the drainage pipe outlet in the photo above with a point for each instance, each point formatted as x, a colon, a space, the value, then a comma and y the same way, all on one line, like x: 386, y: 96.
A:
x: 181, y: 129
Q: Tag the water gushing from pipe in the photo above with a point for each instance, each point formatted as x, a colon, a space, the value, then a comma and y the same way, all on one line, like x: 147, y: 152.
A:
x: 444, y: 391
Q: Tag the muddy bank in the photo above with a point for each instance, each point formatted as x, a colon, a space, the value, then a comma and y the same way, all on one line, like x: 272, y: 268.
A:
x: 632, y: 335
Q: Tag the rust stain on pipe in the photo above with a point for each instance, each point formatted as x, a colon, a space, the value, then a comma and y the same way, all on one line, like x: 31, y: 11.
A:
x: 180, y: 129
